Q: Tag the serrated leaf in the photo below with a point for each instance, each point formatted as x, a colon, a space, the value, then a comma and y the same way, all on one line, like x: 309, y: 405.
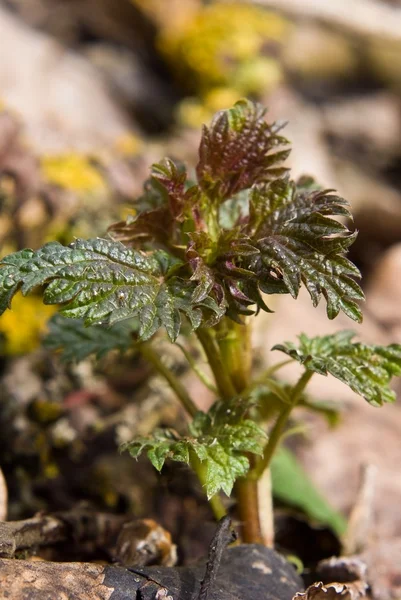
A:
x: 165, y: 204
x: 76, y: 342
x: 366, y: 369
x: 103, y: 281
x: 214, y: 269
x: 292, y: 485
x: 299, y: 242
x: 235, y: 151
x: 173, y: 179
x: 220, y: 439
x: 149, y: 225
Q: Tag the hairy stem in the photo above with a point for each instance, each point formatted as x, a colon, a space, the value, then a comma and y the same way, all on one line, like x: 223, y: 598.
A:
x: 152, y: 357
x: 219, y: 369
x: 255, y: 515
x: 248, y: 509
x: 235, y: 347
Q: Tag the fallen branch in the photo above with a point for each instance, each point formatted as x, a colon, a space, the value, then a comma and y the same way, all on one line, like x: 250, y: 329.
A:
x: 46, y: 530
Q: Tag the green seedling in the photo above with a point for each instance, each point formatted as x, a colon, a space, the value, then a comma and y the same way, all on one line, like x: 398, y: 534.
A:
x: 197, y: 262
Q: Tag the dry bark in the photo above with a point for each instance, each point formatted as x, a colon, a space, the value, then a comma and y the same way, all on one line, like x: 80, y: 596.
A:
x: 248, y: 572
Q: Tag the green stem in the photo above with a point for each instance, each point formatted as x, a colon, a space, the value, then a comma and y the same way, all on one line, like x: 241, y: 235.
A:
x: 152, y: 357
x: 234, y: 343
x: 200, y: 374
x: 223, y: 381
x: 276, y: 433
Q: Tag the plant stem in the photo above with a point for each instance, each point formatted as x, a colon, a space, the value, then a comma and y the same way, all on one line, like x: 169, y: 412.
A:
x: 276, y: 432
x: 200, y: 374
x: 223, y: 381
x: 152, y: 357
x: 235, y: 346
x: 248, y: 509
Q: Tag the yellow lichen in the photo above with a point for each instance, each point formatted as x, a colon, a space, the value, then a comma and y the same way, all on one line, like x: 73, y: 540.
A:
x: 72, y: 171
x: 23, y: 325
x: 222, y: 42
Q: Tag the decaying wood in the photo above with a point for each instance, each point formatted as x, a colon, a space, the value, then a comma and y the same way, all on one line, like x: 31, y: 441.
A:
x: 357, y: 590
x: 45, y: 530
x: 249, y: 572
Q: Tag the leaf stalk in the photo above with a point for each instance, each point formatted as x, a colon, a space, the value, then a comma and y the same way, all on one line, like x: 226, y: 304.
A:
x: 178, y: 388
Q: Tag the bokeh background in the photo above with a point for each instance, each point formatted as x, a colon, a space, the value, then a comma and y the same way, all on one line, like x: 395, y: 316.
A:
x: 91, y: 93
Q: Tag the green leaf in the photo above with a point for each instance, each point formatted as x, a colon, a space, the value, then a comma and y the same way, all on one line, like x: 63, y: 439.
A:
x: 366, y: 369
x: 220, y: 439
x: 292, y: 485
x: 299, y: 242
x: 76, y: 342
x: 102, y: 281
x: 235, y: 151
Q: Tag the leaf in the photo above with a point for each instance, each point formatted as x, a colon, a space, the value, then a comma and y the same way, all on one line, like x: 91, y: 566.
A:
x: 173, y: 179
x: 366, y: 369
x: 292, y: 485
x: 299, y: 242
x: 214, y: 269
x: 164, y: 212
x: 220, y: 439
x: 235, y: 151
x: 150, y: 225
x: 101, y: 281
x: 76, y: 342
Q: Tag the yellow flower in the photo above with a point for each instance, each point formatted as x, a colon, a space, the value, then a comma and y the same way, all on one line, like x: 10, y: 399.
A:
x: 23, y: 325
x: 72, y: 171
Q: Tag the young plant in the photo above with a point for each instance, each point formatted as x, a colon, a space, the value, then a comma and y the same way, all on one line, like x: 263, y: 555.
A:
x: 195, y: 261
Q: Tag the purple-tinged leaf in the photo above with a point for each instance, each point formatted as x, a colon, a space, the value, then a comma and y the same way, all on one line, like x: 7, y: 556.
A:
x: 235, y: 151
x: 300, y: 243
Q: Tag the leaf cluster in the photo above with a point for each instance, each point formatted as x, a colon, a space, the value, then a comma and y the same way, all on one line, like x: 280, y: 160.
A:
x: 203, y: 249
x: 219, y: 439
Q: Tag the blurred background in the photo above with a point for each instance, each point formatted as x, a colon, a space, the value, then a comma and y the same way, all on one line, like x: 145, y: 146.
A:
x: 91, y: 93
